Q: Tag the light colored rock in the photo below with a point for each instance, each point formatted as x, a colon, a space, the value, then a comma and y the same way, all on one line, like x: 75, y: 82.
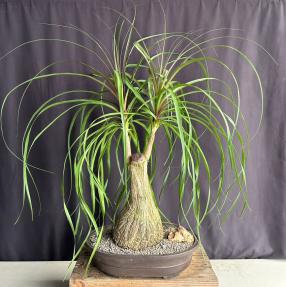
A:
x: 178, y: 237
x: 171, y: 235
x: 180, y: 234
x: 188, y: 237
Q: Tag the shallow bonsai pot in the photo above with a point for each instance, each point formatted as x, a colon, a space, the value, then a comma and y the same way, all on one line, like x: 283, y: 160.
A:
x: 143, y: 266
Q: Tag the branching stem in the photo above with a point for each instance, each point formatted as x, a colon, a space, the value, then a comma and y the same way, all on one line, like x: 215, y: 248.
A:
x: 148, y: 149
x: 128, y: 147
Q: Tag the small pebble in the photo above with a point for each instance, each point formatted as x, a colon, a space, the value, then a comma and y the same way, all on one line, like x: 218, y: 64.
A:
x: 162, y: 248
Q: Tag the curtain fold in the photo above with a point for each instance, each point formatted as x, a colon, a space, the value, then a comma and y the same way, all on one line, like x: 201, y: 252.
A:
x: 259, y: 233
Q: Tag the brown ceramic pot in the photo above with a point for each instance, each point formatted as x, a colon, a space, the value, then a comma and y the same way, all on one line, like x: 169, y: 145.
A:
x: 143, y: 266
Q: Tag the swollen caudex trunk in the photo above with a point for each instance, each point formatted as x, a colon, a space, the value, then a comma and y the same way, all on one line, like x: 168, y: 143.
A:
x: 139, y: 224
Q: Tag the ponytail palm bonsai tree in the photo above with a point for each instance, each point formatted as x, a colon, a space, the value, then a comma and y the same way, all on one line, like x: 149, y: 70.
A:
x: 139, y: 91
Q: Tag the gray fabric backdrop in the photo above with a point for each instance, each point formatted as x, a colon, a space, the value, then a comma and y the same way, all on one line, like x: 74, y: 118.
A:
x: 261, y: 232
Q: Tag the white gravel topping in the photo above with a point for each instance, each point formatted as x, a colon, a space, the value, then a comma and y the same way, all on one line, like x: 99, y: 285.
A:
x: 164, y: 247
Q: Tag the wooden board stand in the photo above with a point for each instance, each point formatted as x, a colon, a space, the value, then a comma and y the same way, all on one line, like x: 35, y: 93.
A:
x: 198, y: 274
